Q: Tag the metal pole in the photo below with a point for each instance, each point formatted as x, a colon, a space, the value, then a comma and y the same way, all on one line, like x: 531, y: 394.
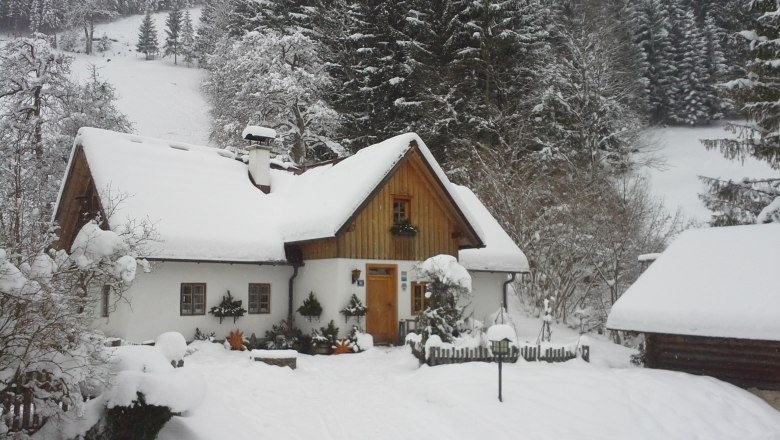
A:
x: 500, y: 358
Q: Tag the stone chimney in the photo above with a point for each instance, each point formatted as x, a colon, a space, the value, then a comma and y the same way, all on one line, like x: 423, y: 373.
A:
x: 259, y: 150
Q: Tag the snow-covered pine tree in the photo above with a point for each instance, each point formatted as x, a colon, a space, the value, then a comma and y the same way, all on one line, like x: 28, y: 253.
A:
x: 650, y: 23
x: 752, y: 200
x: 211, y: 27
x: 717, y: 68
x: 447, y: 284
x: 147, y: 37
x: 173, y: 34
x: 188, y: 51
x: 693, y: 97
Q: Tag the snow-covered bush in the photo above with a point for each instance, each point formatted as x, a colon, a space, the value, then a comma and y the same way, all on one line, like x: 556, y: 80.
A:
x: 355, y: 309
x: 173, y: 346
x: 447, y: 283
x: 146, y: 391
x: 285, y: 336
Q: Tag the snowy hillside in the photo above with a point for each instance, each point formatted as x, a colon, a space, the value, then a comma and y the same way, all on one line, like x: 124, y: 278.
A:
x: 686, y: 159
x: 160, y: 98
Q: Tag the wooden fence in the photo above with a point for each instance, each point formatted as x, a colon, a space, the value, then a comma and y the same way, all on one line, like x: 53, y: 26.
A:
x: 17, y: 407
x: 442, y: 356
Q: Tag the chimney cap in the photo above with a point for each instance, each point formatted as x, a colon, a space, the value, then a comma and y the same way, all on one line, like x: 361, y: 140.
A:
x: 258, y: 133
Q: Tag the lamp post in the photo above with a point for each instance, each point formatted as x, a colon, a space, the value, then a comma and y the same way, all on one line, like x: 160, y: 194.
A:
x: 500, y: 348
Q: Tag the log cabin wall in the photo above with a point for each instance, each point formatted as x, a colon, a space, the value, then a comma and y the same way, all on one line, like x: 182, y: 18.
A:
x: 742, y: 362
x: 440, y: 228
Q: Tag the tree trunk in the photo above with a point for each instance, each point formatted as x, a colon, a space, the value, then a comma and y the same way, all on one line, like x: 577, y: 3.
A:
x: 298, y: 152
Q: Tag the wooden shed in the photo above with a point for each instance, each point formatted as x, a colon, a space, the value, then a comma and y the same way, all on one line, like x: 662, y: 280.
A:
x: 710, y: 305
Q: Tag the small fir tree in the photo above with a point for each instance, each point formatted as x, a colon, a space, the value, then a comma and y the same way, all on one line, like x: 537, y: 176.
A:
x: 228, y: 307
x: 188, y: 51
x: 147, y: 37
x: 173, y: 34
x: 448, y: 282
x: 355, y: 309
x: 311, y: 307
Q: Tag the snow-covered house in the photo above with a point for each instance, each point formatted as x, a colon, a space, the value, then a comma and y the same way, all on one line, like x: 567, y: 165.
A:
x: 271, y: 233
x: 710, y: 304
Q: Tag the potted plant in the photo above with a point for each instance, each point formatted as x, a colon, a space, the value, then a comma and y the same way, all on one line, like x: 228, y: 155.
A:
x: 324, y: 339
x: 311, y: 307
x: 355, y: 308
x: 404, y: 228
x: 228, y: 307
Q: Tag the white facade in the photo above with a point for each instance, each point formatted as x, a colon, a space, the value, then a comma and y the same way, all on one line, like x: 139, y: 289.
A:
x: 155, y: 298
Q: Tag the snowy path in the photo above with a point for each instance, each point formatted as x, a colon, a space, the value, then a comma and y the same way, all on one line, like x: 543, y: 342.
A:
x: 382, y: 394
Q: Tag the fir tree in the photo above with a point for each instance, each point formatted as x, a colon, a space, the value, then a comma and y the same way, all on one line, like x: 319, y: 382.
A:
x: 756, y: 95
x: 173, y: 34
x: 147, y: 37
x: 188, y: 39
x: 213, y: 25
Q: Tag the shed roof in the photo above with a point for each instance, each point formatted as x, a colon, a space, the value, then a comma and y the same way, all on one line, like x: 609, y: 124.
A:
x: 719, y: 282
x: 204, y: 206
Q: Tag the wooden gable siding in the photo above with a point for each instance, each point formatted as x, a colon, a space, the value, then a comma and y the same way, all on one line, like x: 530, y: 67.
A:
x: 79, y: 202
x: 369, y: 237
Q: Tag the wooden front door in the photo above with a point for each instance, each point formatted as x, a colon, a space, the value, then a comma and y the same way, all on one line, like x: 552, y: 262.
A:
x: 382, y: 303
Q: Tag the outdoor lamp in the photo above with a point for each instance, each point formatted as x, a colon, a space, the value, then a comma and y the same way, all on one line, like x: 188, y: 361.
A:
x: 500, y: 348
x: 355, y: 275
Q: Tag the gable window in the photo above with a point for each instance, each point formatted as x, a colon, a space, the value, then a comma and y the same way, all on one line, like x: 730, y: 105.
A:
x: 193, y: 299
x: 259, y: 298
x: 105, y: 298
x: 419, y: 301
x: 401, y: 210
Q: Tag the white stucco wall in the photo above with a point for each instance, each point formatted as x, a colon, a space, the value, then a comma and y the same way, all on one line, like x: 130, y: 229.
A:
x: 154, y: 300
x: 330, y: 280
x: 487, y: 290
x: 154, y: 297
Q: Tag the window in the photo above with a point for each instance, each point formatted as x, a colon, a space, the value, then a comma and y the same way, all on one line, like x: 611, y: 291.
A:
x: 419, y: 301
x: 193, y: 299
x: 401, y: 210
x: 105, y: 299
x: 259, y: 298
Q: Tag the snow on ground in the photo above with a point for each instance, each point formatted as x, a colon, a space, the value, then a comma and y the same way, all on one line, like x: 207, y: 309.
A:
x: 160, y: 98
x: 686, y: 159
x: 384, y: 394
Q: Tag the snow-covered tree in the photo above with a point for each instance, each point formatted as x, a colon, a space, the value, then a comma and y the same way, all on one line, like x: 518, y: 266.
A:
x: 85, y: 13
x: 756, y: 95
x: 173, y: 34
x: 448, y: 283
x: 188, y: 50
x: 212, y: 27
x: 278, y: 81
x: 147, y: 37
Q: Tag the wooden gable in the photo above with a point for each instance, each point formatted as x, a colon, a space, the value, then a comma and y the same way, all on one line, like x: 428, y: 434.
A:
x: 79, y: 202
x: 442, y: 228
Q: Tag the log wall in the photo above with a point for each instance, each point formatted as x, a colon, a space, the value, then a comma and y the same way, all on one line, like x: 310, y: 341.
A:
x: 742, y: 362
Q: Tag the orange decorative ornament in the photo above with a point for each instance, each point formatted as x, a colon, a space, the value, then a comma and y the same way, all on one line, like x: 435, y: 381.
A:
x: 236, y: 340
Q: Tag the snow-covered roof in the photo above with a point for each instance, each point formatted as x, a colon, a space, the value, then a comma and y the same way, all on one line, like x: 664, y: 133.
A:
x: 719, y: 282
x: 202, y: 204
x: 500, y: 253
x: 186, y: 189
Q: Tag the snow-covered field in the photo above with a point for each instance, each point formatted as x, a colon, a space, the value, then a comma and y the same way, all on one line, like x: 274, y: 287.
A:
x: 160, y: 98
x: 383, y: 394
x: 686, y: 159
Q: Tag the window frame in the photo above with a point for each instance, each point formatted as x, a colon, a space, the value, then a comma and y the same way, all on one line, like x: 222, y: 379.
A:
x: 424, y: 301
x: 192, y: 300
x: 407, y: 203
x: 259, y: 293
